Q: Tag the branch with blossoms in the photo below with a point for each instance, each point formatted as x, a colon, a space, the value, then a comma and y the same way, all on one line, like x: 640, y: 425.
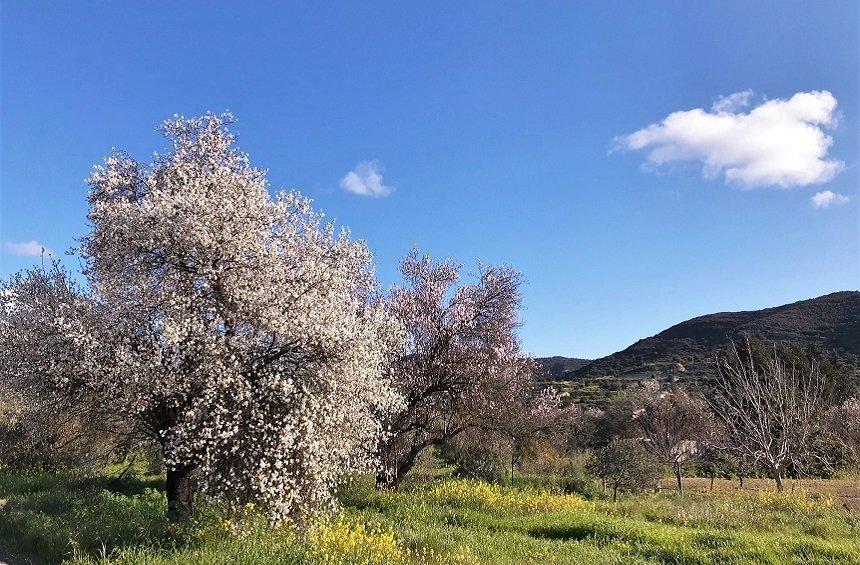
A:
x: 462, y: 356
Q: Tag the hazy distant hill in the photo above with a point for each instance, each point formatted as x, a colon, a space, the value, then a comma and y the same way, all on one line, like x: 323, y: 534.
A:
x: 686, y: 350
x: 556, y: 367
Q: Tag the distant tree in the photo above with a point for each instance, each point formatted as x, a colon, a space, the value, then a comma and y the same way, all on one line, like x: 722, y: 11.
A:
x: 614, y: 420
x: 673, y: 424
x: 241, y: 333
x: 624, y: 465
x: 715, y: 461
x: 534, y: 418
x: 462, y: 352
x: 844, y: 422
x: 584, y: 428
x: 772, y: 410
x: 841, y: 379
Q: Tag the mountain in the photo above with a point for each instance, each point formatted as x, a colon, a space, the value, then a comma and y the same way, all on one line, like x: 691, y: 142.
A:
x: 686, y: 350
x: 556, y: 367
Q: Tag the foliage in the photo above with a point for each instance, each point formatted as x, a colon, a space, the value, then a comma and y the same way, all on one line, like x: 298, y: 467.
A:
x: 625, y: 466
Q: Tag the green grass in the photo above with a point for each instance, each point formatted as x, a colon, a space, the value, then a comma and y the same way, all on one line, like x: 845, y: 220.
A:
x: 57, y: 517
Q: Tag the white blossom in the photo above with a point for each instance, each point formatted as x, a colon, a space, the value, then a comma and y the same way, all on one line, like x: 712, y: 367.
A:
x: 241, y: 331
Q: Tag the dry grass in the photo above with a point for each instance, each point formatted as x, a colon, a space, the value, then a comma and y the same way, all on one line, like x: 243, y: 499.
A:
x: 845, y: 492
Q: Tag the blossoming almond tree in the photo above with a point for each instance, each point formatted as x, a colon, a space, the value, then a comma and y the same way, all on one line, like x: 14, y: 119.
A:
x: 48, y: 422
x: 243, y: 333
x: 461, y: 350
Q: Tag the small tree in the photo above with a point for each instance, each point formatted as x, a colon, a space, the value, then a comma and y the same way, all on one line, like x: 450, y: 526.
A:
x: 714, y: 461
x: 673, y: 424
x: 525, y: 415
x: 625, y: 466
x: 772, y: 410
x: 844, y: 422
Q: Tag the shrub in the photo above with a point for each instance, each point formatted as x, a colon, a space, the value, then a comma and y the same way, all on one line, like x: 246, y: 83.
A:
x: 624, y: 465
x: 475, y: 455
x: 51, y: 433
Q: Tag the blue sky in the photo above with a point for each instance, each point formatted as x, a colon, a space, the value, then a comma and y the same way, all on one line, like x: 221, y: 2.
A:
x: 498, y: 130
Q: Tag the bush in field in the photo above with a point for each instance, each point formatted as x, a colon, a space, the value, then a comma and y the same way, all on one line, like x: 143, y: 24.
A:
x: 575, y: 478
x: 716, y: 462
x: 50, y: 433
x: 477, y: 454
x: 237, y: 331
x: 624, y: 465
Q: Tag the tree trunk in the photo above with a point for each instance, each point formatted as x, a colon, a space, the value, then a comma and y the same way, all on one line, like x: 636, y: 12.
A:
x: 742, y: 481
x: 401, y: 469
x: 614, y: 492
x: 180, y: 495
x: 712, y: 482
x: 678, y: 476
x: 777, y: 476
x: 382, y: 480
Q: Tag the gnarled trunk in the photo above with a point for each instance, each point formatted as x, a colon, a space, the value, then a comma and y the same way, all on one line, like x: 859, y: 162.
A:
x: 392, y: 481
x: 180, y: 494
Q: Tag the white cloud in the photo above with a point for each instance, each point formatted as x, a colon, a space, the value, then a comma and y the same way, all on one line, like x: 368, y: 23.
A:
x: 827, y: 198
x: 733, y: 102
x: 366, y: 180
x: 777, y: 143
x: 30, y: 248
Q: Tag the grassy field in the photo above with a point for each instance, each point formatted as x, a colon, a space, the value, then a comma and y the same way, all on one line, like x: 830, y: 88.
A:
x: 56, y: 517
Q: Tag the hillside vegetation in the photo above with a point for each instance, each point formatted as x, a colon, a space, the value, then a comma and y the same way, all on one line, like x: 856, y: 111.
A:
x: 686, y: 351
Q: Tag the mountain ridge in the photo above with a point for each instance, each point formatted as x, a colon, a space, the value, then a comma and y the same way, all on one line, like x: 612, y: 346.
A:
x: 686, y: 350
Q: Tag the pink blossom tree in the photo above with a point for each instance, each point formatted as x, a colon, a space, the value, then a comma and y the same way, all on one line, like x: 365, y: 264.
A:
x: 674, y: 425
x: 243, y: 334
x: 461, y: 350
